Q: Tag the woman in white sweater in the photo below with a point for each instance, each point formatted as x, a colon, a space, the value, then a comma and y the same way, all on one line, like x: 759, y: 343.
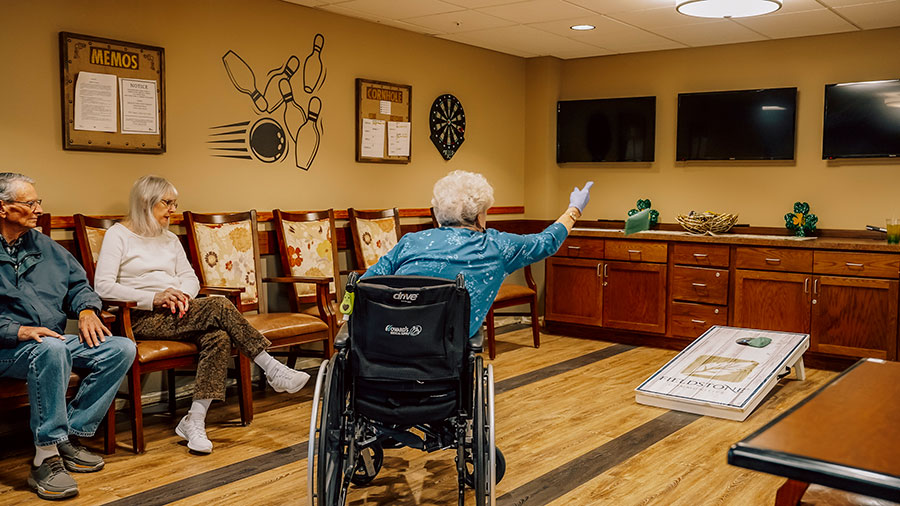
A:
x: 142, y: 261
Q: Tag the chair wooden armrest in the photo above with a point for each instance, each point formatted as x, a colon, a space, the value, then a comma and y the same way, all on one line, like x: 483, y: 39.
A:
x: 120, y: 303
x: 233, y: 293
x: 122, y: 314
x: 529, y: 278
x: 358, y: 271
x: 318, y: 280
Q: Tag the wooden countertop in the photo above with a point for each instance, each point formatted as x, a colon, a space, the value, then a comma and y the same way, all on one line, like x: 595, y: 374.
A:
x: 822, y: 243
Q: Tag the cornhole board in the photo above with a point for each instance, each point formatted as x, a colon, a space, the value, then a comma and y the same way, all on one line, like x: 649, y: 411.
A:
x: 716, y: 376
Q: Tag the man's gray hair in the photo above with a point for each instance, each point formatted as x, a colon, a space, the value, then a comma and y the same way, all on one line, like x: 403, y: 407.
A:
x: 11, y: 183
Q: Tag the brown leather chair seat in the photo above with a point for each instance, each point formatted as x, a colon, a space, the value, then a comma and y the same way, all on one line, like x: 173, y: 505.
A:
x: 148, y: 351
x: 510, y: 291
x: 283, y: 325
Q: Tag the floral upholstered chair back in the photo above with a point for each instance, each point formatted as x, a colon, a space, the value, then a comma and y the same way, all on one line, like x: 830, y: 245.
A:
x: 89, y: 234
x: 307, y: 243
x: 225, y: 252
x: 374, y: 234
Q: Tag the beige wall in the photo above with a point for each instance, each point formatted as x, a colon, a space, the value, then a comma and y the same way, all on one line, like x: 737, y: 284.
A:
x: 845, y: 195
x: 195, y: 35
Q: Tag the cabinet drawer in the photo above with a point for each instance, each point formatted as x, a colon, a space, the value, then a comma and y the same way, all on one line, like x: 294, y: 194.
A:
x: 702, y: 255
x: 581, y: 247
x: 774, y: 259
x: 699, y: 284
x: 845, y: 263
x: 691, y: 320
x: 637, y: 251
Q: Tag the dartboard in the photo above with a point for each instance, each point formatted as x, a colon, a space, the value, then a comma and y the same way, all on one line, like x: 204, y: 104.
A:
x: 448, y: 125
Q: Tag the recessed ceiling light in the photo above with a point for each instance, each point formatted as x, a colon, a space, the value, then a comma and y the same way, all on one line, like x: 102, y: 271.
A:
x: 582, y: 28
x: 727, y: 8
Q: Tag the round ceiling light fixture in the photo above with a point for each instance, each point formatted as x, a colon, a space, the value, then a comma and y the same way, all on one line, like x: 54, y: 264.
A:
x: 727, y: 8
x: 582, y: 28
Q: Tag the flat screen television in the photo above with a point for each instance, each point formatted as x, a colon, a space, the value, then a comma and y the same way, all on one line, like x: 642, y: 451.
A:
x: 606, y: 130
x: 737, y: 125
x: 862, y: 120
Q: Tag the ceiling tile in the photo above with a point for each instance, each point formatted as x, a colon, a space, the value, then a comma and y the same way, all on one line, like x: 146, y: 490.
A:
x: 797, y: 24
x: 475, y: 4
x: 534, y: 11
x: 610, y: 34
x: 479, y: 39
x: 800, y: 5
x: 399, y: 9
x: 460, y: 21
x: 711, y: 33
x: 655, y: 18
x: 875, y: 15
x: 527, y: 40
x: 845, y: 3
x: 615, y: 6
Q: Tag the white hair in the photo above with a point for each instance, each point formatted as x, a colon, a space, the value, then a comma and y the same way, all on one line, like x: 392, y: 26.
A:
x: 146, y: 193
x: 460, y: 196
x: 11, y: 184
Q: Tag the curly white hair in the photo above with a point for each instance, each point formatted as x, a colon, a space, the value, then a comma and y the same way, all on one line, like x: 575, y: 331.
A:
x: 460, y: 196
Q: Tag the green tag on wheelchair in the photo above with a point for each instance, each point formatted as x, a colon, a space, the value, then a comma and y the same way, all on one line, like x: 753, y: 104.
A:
x: 347, y: 303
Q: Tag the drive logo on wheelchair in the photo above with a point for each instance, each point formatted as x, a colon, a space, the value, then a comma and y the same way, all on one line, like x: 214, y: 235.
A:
x: 406, y: 297
x: 403, y: 331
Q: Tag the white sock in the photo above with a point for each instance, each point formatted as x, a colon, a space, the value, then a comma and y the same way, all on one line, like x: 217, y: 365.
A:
x: 267, y: 362
x: 42, y: 452
x: 199, y: 408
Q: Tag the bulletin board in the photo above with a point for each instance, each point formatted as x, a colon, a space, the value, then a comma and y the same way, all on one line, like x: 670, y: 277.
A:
x: 383, y: 125
x: 112, y: 78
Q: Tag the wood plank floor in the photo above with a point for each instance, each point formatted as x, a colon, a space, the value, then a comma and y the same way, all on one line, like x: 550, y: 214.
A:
x: 566, y: 421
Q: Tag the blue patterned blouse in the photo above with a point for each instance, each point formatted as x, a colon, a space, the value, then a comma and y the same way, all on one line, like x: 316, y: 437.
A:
x: 484, y: 258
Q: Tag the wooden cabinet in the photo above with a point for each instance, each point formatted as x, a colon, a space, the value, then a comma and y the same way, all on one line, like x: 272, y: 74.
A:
x: 699, y: 288
x: 772, y: 300
x: 854, y: 317
x: 687, y: 319
x: 574, y: 290
x: 634, y: 296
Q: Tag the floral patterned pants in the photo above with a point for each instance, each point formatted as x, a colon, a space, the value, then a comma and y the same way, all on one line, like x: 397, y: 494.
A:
x: 214, y: 325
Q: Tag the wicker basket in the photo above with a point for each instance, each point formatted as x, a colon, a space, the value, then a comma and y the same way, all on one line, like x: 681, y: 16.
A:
x: 703, y: 223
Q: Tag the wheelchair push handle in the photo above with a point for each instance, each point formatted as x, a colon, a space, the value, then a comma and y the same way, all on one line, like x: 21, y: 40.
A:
x: 460, y: 281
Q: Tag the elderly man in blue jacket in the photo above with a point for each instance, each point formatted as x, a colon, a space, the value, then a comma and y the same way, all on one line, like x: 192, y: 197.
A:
x: 41, y: 284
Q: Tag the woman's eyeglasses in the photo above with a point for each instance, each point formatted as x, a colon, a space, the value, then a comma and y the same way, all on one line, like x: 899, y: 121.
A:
x: 171, y: 204
x: 30, y: 203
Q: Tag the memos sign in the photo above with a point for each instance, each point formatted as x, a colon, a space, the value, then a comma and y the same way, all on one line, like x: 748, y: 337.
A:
x: 113, y: 58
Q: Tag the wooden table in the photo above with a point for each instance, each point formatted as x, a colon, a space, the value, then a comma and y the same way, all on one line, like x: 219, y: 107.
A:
x: 844, y: 436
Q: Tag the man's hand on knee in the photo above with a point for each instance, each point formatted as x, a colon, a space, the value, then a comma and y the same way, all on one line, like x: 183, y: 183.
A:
x: 91, y: 330
x: 37, y: 334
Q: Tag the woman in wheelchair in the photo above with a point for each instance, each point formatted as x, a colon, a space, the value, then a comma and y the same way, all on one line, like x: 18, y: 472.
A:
x: 406, y: 371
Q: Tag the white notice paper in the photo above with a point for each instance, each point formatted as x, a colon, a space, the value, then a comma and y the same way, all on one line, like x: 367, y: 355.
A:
x: 398, y: 138
x: 95, y: 102
x: 372, y: 144
x: 384, y: 107
x: 139, y: 108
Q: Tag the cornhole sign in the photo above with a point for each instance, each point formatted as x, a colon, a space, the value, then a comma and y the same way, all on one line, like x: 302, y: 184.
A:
x: 718, y: 376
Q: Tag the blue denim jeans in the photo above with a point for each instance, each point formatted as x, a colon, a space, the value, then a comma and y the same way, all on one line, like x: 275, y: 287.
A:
x: 46, y: 367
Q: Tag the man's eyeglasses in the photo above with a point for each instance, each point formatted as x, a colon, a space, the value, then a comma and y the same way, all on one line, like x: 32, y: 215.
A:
x: 30, y: 203
x: 171, y: 204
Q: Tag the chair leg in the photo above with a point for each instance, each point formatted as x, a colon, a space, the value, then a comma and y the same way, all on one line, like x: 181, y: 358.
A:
x: 109, y: 431
x: 170, y: 382
x: 245, y: 388
x: 137, y: 412
x: 535, y: 323
x: 262, y: 377
x: 489, y: 320
x: 292, y: 357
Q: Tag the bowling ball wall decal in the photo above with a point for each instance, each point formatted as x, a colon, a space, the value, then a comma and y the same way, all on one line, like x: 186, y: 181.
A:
x: 279, y: 120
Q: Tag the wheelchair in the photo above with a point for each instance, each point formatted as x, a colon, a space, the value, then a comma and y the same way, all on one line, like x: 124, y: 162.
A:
x: 405, y: 373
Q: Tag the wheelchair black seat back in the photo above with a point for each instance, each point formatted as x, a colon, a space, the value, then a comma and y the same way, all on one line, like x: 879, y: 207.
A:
x: 404, y: 374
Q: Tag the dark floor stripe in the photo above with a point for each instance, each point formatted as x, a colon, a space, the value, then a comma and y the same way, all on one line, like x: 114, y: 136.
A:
x: 560, y: 368
x: 560, y: 481
x: 209, y: 480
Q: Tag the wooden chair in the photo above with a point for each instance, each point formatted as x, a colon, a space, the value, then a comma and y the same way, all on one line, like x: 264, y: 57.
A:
x: 307, y: 243
x: 374, y: 234
x: 510, y: 294
x: 152, y: 355
x: 14, y: 392
x: 224, y: 249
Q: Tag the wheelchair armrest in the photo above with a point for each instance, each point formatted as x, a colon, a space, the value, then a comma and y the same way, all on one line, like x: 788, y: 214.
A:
x: 476, y: 342
x: 342, y: 337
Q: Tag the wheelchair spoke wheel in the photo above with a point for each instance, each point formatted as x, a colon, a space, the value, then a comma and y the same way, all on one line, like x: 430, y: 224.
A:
x: 368, y: 463
x: 326, y: 472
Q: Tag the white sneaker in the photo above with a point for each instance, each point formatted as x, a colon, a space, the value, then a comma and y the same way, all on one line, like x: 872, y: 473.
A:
x: 195, y: 434
x: 285, y: 379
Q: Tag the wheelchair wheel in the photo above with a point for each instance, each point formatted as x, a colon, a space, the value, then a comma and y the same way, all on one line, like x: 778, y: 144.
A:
x: 325, y: 474
x: 369, y: 462
x: 483, y: 450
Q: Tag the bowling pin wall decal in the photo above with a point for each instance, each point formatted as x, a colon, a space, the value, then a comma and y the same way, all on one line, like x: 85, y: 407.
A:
x: 312, y: 66
x: 279, y: 119
x: 309, y: 135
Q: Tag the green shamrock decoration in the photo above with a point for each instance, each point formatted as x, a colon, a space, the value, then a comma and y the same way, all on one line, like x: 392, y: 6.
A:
x: 801, y: 222
x: 645, y: 204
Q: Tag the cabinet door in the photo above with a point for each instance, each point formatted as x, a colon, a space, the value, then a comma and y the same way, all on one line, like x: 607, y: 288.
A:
x: 772, y: 300
x: 854, y: 317
x: 574, y: 290
x: 634, y: 296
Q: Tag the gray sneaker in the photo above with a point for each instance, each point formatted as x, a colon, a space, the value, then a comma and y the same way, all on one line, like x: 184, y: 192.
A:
x: 51, y: 480
x: 78, y: 459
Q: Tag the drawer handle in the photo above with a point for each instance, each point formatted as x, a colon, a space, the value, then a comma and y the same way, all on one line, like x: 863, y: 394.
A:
x: 700, y: 255
x: 698, y: 285
x: 698, y: 321
x: 598, y: 270
x: 853, y: 265
x: 773, y: 260
x: 574, y: 247
x: 634, y: 252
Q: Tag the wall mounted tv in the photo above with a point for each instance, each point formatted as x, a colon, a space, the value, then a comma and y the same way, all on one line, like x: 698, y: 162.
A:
x: 606, y: 130
x: 862, y: 120
x: 737, y: 125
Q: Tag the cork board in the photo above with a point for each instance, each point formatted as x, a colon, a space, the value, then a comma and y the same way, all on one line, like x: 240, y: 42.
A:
x: 133, y: 73
x: 383, y: 125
